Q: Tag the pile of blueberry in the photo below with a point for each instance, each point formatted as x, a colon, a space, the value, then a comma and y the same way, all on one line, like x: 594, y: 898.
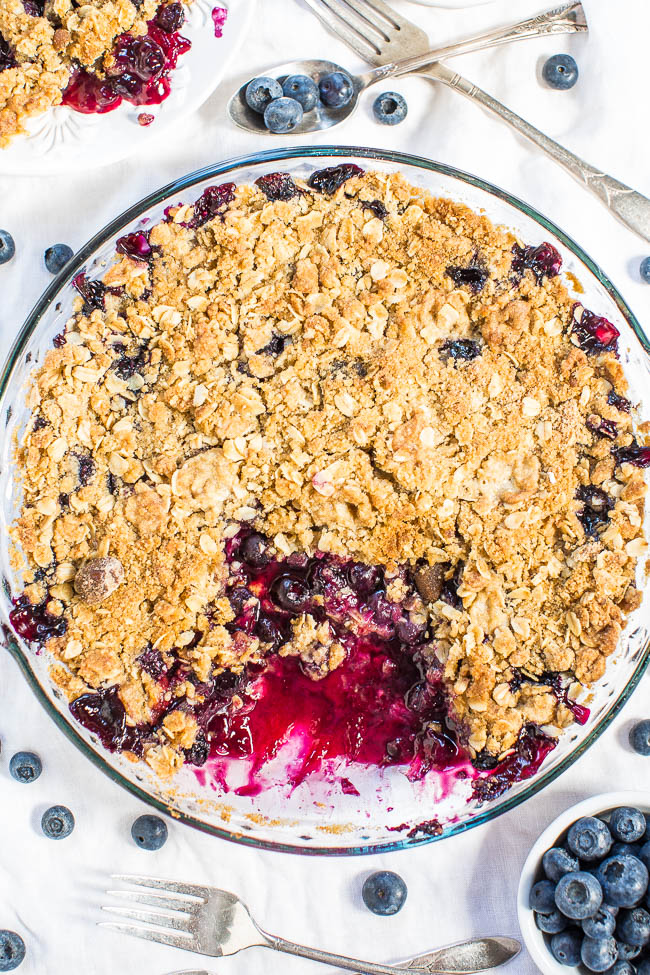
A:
x: 283, y: 102
x: 593, y: 903
x: 148, y: 832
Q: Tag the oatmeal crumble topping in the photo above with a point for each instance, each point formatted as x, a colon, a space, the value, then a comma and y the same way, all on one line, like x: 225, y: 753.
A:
x: 401, y: 390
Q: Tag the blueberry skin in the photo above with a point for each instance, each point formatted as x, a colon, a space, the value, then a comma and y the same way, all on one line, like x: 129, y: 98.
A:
x: 542, y: 897
x: 632, y: 849
x: 7, y: 247
x: 282, y: 115
x: 627, y: 824
x: 12, y: 950
x: 640, y: 733
x: 149, y: 832
x: 560, y: 72
x: 303, y: 89
x: 56, y: 257
x: 260, y: 91
x: 336, y: 89
x: 557, y: 862
x: 643, y: 968
x: 624, y: 880
x: 644, y: 855
x: 601, y: 925
x: 633, y: 927
x: 551, y: 923
x: 25, y: 767
x: 627, y: 952
x: 384, y: 893
x: 589, y: 839
x: 598, y: 955
x: 621, y: 967
x: 390, y: 108
x: 57, y: 822
x: 578, y: 895
x: 565, y: 948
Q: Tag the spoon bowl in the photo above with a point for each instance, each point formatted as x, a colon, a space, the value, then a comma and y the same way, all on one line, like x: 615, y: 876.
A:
x: 320, y: 117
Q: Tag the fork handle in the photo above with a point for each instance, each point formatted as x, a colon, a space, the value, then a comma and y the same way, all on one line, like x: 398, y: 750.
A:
x: 567, y: 19
x: 630, y: 206
x: 340, y: 961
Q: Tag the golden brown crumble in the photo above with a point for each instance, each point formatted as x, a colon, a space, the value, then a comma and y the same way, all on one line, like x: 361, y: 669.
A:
x: 46, y: 49
x: 284, y: 366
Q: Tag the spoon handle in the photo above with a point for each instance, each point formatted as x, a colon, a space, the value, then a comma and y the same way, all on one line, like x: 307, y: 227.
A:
x: 567, y: 19
x: 631, y: 207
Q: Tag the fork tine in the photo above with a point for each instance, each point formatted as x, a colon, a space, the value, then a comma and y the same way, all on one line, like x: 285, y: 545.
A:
x: 151, y: 917
x: 156, y: 900
x: 191, y: 890
x: 357, y: 11
x: 339, y: 26
x: 388, y: 14
x: 175, y: 940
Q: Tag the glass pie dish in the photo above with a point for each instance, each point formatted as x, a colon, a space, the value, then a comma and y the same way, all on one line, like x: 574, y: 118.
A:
x: 384, y: 810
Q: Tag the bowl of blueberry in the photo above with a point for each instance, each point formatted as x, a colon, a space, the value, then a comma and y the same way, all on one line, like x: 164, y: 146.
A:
x: 584, y: 897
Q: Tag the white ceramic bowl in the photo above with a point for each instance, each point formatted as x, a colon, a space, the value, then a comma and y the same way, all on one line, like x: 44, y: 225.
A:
x: 534, y: 939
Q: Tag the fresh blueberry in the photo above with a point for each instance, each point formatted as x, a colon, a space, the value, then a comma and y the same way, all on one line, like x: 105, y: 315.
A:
x: 633, y: 927
x: 589, y: 839
x: 390, y: 108
x: 12, y: 950
x: 557, y: 862
x: 598, y: 955
x: 624, y: 880
x: 336, y: 89
x: 621, y: 967
x: 303, y: 89
x: 640, y: 733
x: 551, y: 923
x: 384, y: 892
x: 282, y: 115
x: 57, y: 822
x: 644, y: 855
x: 565, y: 948
x: 646, y: 838
x: 578, y: 895
x: 25, y: 767
x: 645, y: 274
x: 632, y: 849
x: 542, y: 897
x: 149, y: 832
x: 643, y: 968
x: 628, y: 952
x: 261, y: 91
x: 57, y: 256
x: 560, y: 72
x: 601, y: 925
x: 7, y: 247
x: 627, y: 824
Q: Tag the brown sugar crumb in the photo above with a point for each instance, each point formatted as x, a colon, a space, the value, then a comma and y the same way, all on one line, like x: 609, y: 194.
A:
x: 311, y: 372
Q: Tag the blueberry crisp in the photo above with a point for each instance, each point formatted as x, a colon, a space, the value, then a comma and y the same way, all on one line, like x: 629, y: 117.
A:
x: 332, y: 459
x: 89, y: 55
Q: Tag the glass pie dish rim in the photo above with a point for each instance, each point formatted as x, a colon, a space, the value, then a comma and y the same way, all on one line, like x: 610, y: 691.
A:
x: 510, y: 800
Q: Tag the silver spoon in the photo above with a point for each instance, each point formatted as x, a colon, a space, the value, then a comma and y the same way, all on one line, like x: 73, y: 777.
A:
x: 322, y: 117
x: 464, y: 958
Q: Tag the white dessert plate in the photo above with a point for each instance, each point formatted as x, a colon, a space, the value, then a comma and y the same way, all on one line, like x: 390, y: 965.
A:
x: 62, y: 139
x: 452, y: 4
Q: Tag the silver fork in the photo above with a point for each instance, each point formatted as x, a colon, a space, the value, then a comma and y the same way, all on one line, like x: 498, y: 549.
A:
x: 381, y: 35
x: 370, y: 27
x: 217, y: 923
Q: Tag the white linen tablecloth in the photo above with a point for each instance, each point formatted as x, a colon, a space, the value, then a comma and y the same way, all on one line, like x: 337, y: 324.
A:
x: 465, y: 886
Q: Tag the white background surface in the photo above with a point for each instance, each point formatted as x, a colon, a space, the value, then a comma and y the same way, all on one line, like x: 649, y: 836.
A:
x: 51, y: 892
